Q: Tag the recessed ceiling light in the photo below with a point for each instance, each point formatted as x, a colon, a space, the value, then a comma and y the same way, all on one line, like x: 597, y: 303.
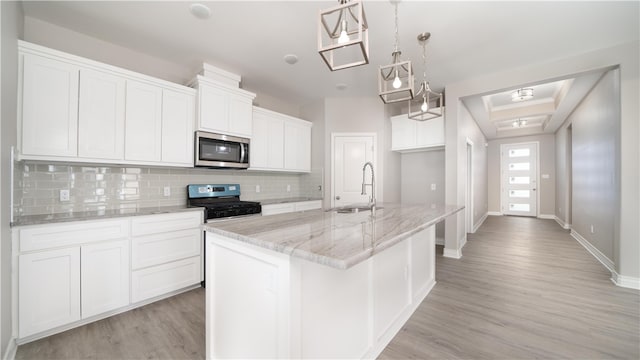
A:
x: 200, y: 11
x: 290, y: 59
x: 341, y: 86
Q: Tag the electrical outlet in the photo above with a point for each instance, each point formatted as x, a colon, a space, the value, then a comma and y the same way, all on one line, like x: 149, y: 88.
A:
x: 167, y: 191
x: 288, y: 188
x: 257, y: 188
x: 433, y: 187
x: 64, y: 195
x: 592, y: 229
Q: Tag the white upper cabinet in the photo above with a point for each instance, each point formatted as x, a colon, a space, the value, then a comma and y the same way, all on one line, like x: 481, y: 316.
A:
x: 223, y: 109
x: 79, y: 110
x: 101, y: 115
x: 297, y: 146
x: 266, y: 150
x: 178, y: 111
x: 143, y: 131
x: 280, y: 142
x: 410, y: 135
x: 49, y: 107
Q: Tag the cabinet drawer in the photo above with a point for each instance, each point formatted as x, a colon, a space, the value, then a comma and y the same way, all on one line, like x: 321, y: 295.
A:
x: 308, y: 205
x: 57, y: 235
x: 161, y: 279
x: 163, y: 223
x: 161, y: 248
x: 277, y: 209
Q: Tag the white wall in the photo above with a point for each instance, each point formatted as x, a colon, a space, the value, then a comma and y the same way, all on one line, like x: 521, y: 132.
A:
x: 362, y: 115
x: 627, y: 227
x: 11, y: 25
x: 546, y: 157
x: 418, y: 171
x: 595, y: 127
x: 460, y: 126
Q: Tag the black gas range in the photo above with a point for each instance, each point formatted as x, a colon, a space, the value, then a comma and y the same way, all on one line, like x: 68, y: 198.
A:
x: 220, y: 201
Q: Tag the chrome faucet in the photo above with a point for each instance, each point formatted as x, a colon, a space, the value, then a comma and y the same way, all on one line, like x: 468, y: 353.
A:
x: 372, y: 198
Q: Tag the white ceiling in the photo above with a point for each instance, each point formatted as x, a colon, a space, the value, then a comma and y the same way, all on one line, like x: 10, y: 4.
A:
x: 468, y: 39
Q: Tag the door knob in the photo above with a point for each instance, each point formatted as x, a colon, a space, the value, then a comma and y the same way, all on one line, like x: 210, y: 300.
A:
x: 337, y: 197
x: 534, y: 189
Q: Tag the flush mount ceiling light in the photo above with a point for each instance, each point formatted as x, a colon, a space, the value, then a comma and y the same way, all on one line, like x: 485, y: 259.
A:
x: 519, y: 123
x: 200, y: 11
x: 343, y: 36
x: 522, y: 94
x: 290, y: 59
x: 395, y: 81
x: 426, y: 104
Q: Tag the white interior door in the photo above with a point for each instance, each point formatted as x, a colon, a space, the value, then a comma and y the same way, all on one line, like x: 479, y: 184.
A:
x: 519, y: 179
x: 350, y: 153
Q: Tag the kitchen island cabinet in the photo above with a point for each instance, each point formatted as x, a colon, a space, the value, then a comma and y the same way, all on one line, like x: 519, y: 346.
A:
x: 317, y: 284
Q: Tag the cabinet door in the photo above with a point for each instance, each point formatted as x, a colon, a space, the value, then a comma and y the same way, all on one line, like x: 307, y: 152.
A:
x: 391, y: 281
x: 259, y: 142
x: 275, y: 147
x: 240, y: 115
x: 403, y: 132
x: 101, y: 115
x: 297, y: 147
x: 48, y: 290
x: 143, y: 124
x: 430, y: 132
x: 177, y: 127
x: 214, y: 109
x: 104, y: 277
x: 49, y: 107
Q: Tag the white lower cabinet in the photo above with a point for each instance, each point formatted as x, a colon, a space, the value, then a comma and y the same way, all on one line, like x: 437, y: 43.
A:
x: 104, y: 277
x: 161, y: 279
x: 71, y: 272
x: 165, y: 254
x: 283, y: 208
x: 49, y: 290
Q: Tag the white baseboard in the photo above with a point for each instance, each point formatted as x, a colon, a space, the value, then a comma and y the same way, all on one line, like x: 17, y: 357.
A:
x: 452, y: 253
x: 482, y: 219
x: 625, y: 281
x: 439, y: 241
x: 12, y: 348
x: 594, y: 251
x: 494, y: 213
x: 547, y: 216
x: 562, y: 223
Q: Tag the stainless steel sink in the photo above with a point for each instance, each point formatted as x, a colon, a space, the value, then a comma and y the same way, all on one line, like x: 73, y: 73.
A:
x: 354, y: 209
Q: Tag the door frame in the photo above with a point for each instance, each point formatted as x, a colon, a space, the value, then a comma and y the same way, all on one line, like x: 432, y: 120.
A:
x: 502, y: 184
x: 334, y: 135
x: 469, y: 186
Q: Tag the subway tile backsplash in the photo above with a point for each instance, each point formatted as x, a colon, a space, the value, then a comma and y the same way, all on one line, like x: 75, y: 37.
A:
x: 92, y: 188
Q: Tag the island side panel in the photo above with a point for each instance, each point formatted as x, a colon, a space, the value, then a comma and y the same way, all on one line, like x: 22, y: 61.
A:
x: 247, y: 301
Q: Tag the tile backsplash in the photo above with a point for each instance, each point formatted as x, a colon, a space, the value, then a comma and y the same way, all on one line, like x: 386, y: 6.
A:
x: 37, y: 186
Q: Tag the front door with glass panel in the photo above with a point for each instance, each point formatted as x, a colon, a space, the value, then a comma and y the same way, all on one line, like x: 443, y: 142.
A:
x: 519, y: 179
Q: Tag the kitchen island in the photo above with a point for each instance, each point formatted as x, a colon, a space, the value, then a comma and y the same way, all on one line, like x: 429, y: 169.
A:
x: 317, y: 284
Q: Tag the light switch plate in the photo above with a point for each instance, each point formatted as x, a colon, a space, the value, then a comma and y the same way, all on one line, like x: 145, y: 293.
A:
x: 167, y: 191
x: 433, y: 186
x: 545, y: 176
x: 257, y: 188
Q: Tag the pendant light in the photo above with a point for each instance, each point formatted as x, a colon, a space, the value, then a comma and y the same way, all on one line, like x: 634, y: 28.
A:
x: 343, y: 36
x: 426, y: 104
x: 395, y: 81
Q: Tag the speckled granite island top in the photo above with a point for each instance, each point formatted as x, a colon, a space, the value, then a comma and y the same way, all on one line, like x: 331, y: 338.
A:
x: 331, y: 238
x: 94, y: 215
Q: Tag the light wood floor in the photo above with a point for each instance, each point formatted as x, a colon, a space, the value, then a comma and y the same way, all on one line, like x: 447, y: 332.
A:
x: 524, y: 289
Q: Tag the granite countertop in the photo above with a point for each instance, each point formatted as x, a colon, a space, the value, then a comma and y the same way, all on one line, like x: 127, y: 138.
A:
x: 95, y: 215
x: 286, y: 200
x: 330, y: 238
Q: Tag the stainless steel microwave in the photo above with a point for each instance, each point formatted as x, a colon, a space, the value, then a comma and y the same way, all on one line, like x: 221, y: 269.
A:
x: 221, y: 151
